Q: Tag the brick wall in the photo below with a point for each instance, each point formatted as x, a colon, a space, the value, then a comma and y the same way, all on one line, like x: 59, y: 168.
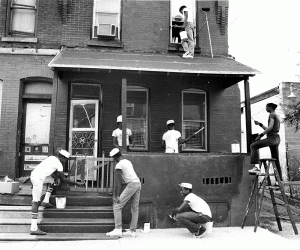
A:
x: 145, y: 26
x: 27, y: 66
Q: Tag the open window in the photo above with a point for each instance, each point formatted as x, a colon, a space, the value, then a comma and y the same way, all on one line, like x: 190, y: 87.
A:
x: 106, y: 19
x: 22, y: 15
x: 176, y: 19
x: 194, y: 118
x: 137, y: 116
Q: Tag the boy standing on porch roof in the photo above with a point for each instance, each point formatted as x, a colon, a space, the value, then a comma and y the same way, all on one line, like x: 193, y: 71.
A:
x: 172, y: 138
x: 188, y: 25
x: 48, y: 171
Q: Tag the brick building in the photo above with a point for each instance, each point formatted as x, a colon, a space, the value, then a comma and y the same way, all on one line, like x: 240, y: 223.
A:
x: 68, y: 68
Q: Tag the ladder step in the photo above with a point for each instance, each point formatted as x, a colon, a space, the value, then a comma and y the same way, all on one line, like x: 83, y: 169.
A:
x: 284, y: 217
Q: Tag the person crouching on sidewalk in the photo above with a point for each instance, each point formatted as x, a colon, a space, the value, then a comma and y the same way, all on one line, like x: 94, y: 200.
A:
x: 193, y: 213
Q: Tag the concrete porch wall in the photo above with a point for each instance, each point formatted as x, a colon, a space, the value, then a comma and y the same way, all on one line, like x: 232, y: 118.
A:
x: 220, y: 179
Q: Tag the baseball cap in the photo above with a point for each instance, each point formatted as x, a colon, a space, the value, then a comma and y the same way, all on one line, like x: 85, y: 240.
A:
x: 170, y: 122
x: 114, y: 152
x: 64, y: 153
x: 186, y: 185
x: 119, y: 118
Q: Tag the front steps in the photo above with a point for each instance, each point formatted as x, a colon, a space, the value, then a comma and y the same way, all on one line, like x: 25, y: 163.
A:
x: 86, y: 217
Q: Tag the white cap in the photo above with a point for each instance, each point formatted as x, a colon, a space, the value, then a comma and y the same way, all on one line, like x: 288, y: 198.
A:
x: 119, y: 118
x: 186, y: 185
x: 114, y: 152
x: 170, y: 122
x: 64, y: 153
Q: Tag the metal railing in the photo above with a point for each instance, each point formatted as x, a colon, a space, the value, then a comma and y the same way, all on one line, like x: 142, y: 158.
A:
x: 97, y: 173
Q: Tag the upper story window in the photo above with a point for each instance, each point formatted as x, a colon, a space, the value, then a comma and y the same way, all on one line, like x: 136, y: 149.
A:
x: 137, y: 116
x: 176, y: 21
x: 22, y: 15
x: 106, y: 19
x: 194, y: 109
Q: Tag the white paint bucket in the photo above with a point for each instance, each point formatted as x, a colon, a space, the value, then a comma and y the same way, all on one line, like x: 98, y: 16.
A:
x: 146, y: 228
x: 183, y: 35
x: 208, y: 226
x: 61, y: 201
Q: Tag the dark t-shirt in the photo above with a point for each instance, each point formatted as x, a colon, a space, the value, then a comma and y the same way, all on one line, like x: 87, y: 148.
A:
x: 276, y: 125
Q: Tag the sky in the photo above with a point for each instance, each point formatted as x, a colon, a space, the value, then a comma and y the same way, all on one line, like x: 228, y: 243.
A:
x: 265, y: 35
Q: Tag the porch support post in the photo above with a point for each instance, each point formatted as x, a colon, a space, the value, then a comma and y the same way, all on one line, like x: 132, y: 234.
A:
x: 53, y: 113
x: 124, y: 113
x: 248, y: 113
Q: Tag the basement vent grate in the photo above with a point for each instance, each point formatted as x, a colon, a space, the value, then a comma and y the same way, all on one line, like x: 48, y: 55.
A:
x: 216, y: 180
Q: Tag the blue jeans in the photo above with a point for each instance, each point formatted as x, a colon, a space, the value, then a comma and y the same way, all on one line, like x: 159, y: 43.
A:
x: 271, y: 141
x: 132, y: 191
x: 189, y: 45
x: 191, y: 220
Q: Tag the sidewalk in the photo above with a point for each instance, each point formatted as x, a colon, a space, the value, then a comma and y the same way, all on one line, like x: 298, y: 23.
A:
x: 231, y: 238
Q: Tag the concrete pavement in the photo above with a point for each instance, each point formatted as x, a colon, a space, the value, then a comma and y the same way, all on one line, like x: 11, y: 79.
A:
x: 233, y: 238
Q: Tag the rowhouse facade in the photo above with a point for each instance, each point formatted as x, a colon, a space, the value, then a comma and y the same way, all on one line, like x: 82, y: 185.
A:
x: 69, y: 68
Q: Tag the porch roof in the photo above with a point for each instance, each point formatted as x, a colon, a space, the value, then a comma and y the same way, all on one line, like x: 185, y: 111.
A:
x: 169, y: 63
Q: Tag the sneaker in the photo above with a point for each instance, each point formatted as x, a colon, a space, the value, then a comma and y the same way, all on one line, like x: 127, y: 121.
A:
x: 47, y: 205
x: 37, y: 232
x: 189, y: 56
x: 130, y: 233
x: 115, y: 233
x: 200, y: 233
x: 254, y: 170
x: 185, y: 54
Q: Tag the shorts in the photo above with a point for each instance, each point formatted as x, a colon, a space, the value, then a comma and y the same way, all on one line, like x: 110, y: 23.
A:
x: 37, y: 186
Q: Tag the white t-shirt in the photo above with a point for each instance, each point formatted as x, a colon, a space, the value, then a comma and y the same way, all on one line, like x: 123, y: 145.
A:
x: 118, y: 133
x: 197, y: 204
x: 171, y: 139
x: 128, y: 173
x: 190, y: 15
x: 47, y: 167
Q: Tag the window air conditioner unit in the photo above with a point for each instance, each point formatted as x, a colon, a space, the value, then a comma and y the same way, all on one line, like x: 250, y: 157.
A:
x: 106, y: 30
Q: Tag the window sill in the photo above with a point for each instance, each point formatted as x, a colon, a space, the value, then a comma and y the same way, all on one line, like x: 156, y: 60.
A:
x: 177, y: 47
x: 19, y: 39
x: 105, y: 43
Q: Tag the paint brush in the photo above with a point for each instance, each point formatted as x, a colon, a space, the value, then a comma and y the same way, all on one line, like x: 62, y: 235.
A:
x: 199, y: 130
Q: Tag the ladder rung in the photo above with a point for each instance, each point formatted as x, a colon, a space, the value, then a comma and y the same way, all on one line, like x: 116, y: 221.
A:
x: 283, y: 218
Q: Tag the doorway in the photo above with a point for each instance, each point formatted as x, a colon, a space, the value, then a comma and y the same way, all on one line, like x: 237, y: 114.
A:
x: 35, y: 134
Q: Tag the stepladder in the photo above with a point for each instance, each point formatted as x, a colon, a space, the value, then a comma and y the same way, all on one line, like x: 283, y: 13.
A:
x: 261, y: 183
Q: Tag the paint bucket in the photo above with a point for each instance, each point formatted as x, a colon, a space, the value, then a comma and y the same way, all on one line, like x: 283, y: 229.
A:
x: 208, y: 226
x: 61, y: 201
x: 235, y: 147
x: 183, y: 36
x: 146, y: 228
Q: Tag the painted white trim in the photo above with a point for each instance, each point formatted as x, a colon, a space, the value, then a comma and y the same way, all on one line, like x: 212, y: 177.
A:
x: 20, y: 51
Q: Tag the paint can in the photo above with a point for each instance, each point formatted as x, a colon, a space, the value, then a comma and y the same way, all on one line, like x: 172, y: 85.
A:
x: 208, y: 226
x: 61, y: 201
x: 235, y: 147
x: 146, y: 228
x: 183, y: 36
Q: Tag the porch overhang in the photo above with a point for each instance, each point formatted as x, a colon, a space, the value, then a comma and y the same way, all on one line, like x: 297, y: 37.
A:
x: 143, y: 62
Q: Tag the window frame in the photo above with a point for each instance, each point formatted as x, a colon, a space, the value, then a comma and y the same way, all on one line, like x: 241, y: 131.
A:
x: 9, y: 20
x: 171, y: 18
x: 118, y: 33
x: 140, y: 88
x: 200, y: 92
